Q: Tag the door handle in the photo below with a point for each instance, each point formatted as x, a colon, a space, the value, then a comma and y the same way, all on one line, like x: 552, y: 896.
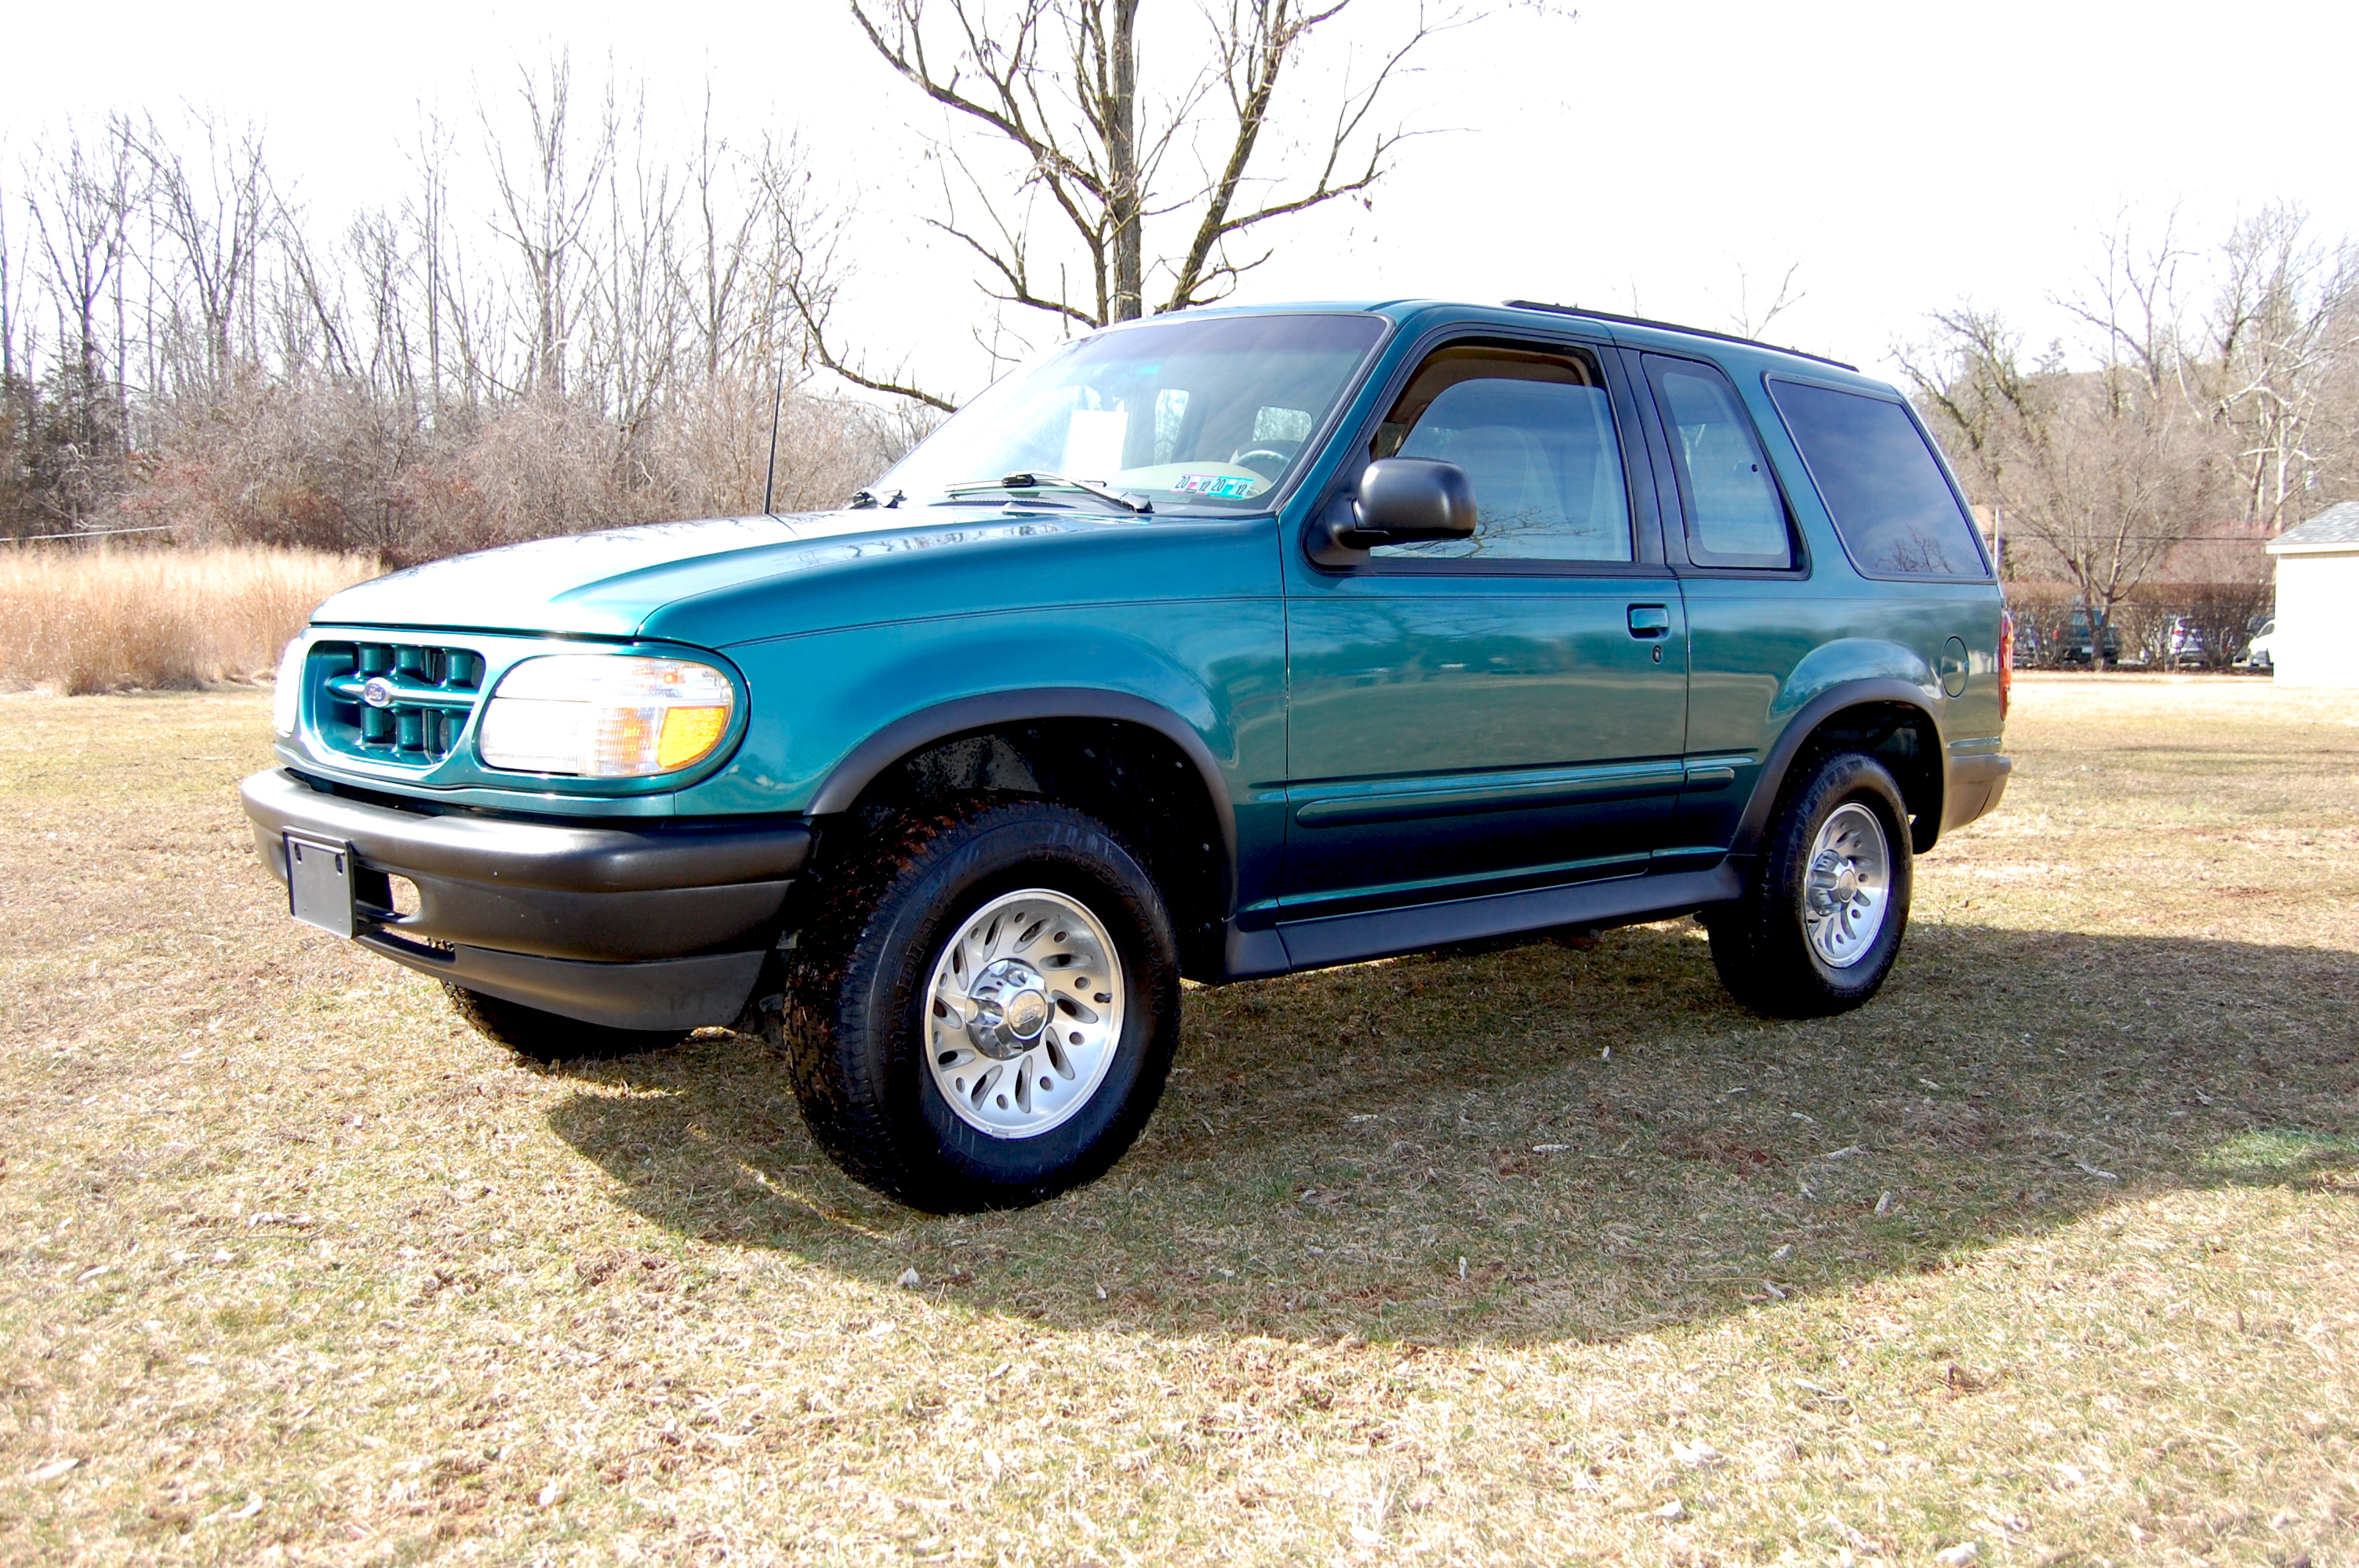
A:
x: 1650, y: 620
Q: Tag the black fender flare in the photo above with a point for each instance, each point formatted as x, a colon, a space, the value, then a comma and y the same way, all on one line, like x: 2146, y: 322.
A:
x: 989, y: 710
x: 1805, y: 723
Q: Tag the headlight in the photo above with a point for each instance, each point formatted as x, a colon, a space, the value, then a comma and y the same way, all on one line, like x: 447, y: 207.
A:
x: 604, y: 716
x: 287, y: 697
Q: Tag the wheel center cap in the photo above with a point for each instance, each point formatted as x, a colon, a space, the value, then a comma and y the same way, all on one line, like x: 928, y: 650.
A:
x: 1026, y: 1011
x: 1011, y: 1009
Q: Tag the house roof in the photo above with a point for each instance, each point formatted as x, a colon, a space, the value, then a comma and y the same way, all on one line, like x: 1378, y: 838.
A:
x: 2336, y: 528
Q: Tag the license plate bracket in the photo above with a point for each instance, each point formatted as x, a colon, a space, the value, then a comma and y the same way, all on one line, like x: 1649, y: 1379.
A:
x: 320, y: 882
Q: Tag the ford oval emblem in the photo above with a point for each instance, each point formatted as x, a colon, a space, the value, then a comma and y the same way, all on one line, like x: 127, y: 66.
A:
x: 378, y: 692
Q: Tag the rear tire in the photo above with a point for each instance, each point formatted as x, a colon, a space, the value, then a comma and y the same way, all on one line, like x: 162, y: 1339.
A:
x: 542, y: 1036
x: 1821, y: 923
x: 964, y: 952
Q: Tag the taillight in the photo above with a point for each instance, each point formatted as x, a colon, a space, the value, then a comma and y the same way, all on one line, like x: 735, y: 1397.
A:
x: 2006, y: 660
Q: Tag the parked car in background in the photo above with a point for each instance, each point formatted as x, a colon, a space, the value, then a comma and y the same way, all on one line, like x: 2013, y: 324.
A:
x: 2076, y: 644
x: 2183, y: 644
x: 1221, y: 645
x: 2031, y: 650
x: 2260, y: 654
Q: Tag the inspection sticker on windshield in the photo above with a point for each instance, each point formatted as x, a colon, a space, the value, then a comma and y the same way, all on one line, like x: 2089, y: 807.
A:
x: 1230, y: 485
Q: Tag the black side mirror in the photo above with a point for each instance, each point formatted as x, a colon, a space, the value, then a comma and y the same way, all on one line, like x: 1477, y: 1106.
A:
x: 1401, y: 500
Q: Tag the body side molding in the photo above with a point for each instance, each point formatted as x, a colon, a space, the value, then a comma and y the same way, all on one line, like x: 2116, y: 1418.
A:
x: 1619, y: 901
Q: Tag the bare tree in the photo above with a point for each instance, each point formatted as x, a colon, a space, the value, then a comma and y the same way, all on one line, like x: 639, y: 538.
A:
x: 2286, y: 318
x: 2102, y: 473
x: 1101, y: 153
x: 811, y: 279
x: 221, y: 211
x: 728, y: 230
x: 546, y: 207
x: 78, y: 205
x: 2184, y: 440
x: 1750, y: 319
x: 636, y: 295
x: 12, y: 298
x: 603, y: 347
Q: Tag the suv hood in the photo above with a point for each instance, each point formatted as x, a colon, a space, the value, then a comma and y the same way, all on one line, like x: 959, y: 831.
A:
x: 609, y: 584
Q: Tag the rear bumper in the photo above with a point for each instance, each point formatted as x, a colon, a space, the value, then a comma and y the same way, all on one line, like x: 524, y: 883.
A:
x: 636, y: 928
x: 1977, y: 782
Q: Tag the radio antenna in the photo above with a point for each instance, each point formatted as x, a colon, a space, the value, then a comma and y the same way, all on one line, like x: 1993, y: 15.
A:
x: 770, y: 472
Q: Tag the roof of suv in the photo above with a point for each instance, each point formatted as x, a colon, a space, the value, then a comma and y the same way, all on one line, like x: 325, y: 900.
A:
x: 1675, y: 326
x: 1407, y: 307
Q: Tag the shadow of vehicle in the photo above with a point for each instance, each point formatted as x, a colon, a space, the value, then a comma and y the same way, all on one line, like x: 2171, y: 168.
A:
x: 1549, y: 1142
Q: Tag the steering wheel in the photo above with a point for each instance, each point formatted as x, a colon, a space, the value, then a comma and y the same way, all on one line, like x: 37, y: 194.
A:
x: 1246, y: 459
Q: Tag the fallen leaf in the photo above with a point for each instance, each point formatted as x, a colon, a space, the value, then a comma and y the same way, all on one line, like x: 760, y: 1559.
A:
x: 1672, y: 1512
x: 1958, y: 1556
x: 50, y: 1471
x: 909, y: 1279
x: 550, y: 1495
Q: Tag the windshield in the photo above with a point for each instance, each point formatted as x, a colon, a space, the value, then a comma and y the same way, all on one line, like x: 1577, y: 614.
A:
x: 1186, y: 415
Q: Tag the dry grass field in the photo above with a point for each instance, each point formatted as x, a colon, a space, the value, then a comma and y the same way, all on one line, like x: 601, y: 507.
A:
x: 1537, y: 1255
x: 104, y: 620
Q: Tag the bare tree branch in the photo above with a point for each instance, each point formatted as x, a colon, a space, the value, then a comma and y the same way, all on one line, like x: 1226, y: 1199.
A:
x: 1059, y: 83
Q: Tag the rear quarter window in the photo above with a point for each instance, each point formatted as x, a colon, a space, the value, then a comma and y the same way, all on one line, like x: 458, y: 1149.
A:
x: 1891, y: 503
x: 1735, y: 515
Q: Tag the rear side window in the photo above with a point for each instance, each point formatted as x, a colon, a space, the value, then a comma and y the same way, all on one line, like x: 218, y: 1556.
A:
x: 1736, y: 516
x: 1897, y: 514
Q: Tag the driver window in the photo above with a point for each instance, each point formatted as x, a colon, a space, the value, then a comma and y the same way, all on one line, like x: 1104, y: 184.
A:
x: 1535, y: 433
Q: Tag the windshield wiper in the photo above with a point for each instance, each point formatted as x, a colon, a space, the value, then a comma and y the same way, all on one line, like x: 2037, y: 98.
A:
x: 861, y: 500
x: 1036, y: 479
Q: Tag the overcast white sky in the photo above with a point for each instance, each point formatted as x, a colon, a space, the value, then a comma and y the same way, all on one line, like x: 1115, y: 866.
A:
x: 1905, y: 155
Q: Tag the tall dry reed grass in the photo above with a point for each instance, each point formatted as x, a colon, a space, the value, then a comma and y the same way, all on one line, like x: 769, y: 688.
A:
x: 104, y: 620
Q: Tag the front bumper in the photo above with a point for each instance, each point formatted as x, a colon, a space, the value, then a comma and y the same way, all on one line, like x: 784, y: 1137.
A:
x: 633, y: 928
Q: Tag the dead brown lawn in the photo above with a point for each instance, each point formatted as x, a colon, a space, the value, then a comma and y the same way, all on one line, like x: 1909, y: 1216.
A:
x: 1530, y: 1255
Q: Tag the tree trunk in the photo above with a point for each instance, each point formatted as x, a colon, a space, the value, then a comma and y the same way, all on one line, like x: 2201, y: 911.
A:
x: 1123, y: 196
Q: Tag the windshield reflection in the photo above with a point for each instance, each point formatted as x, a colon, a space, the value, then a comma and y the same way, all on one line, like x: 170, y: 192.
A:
x: 1210, y: 414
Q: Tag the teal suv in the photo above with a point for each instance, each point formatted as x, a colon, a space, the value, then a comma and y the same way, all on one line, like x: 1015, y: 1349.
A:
x: 1216, y: 646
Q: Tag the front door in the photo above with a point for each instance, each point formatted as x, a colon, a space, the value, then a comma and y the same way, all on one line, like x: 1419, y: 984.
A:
x: 1501, y: 712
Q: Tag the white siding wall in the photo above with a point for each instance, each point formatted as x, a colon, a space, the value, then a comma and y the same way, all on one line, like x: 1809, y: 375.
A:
x: 2317, y: 642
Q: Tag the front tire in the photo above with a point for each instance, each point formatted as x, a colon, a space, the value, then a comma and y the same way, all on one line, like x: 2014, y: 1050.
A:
x: 981, y: 1009
x: 1821, y: 923
x: 545, y: 1037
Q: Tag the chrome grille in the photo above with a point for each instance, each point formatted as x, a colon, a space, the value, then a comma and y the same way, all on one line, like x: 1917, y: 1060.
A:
x: 394, y: 702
